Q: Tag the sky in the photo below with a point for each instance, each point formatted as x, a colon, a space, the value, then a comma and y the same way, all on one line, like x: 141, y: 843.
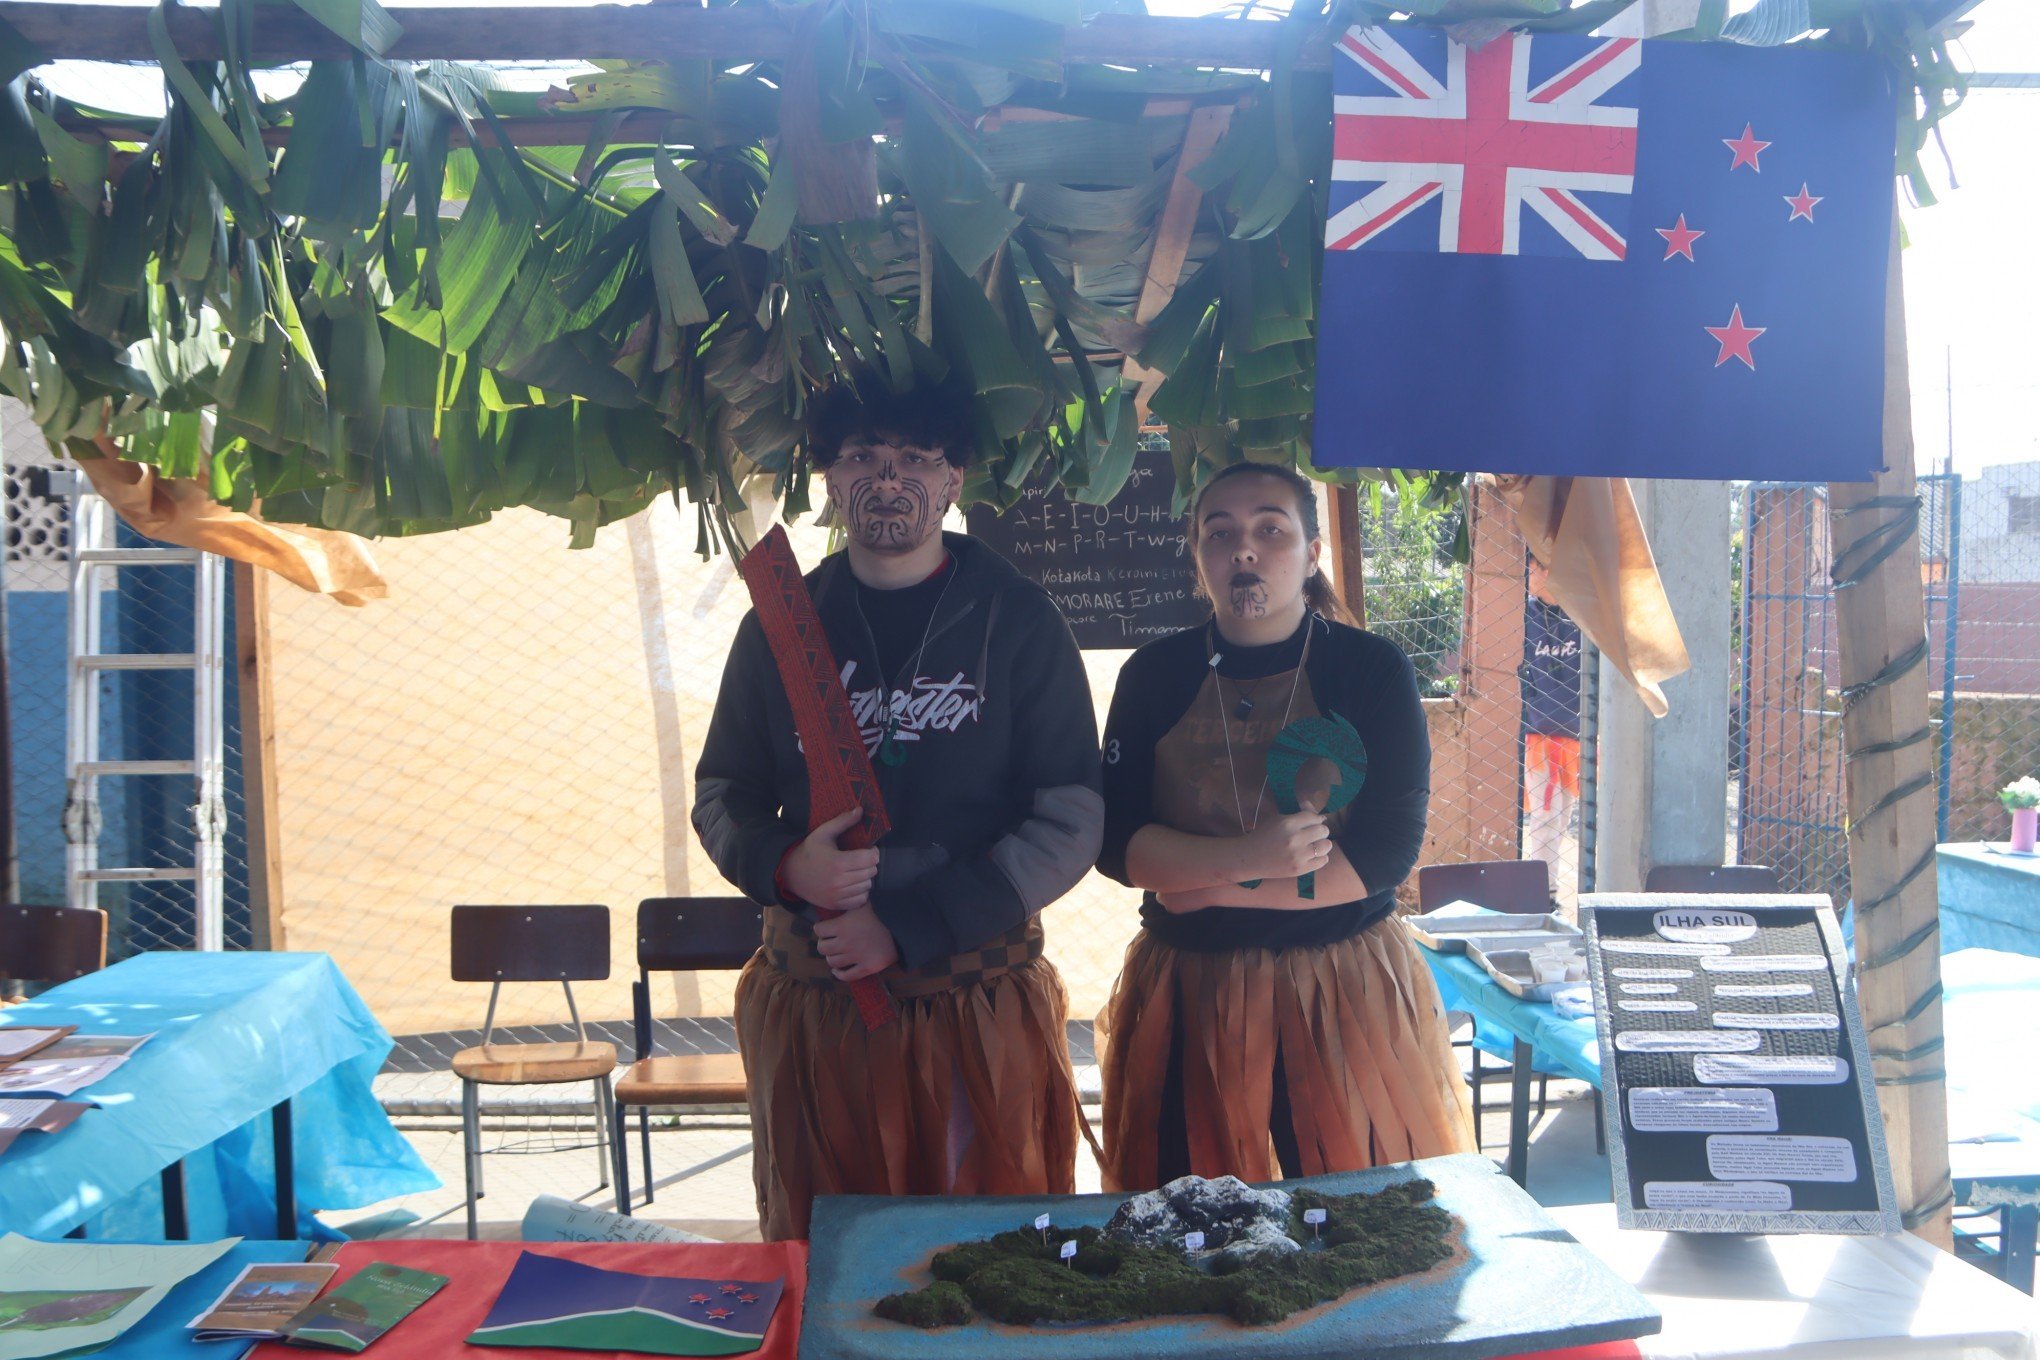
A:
x: 1972, y: 270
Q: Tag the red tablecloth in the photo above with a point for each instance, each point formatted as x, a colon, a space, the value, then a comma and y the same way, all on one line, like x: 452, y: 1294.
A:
x: 476, y: 1271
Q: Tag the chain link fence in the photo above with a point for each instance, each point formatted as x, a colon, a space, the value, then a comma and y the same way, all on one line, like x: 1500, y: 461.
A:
x: 1980, y: 568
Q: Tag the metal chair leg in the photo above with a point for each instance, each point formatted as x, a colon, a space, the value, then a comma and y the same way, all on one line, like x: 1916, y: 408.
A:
x: 1479, y: 1126
x: 619, y: 1147
x: 1543, y: 1089
x: 471, y: 1148
x: 644, y: 1128
x: 602, y: 1145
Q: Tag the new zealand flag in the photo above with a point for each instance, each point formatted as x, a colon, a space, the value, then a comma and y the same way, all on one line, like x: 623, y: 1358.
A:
x: 1605, y: 257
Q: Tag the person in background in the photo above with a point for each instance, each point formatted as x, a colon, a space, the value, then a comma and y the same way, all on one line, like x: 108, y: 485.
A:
x: 1551, y: 728
x: 1263, y: 1025
x: 974, y: 705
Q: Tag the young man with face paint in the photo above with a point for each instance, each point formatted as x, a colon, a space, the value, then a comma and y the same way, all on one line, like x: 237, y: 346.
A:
x: 975, y: 708
x: 1270, y: 1018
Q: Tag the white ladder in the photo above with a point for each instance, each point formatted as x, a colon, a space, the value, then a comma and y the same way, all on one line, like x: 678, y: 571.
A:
x: 93, y: 555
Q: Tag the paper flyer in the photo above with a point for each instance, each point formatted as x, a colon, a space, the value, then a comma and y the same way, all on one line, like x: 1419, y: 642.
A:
x: 18, y: 1041
x: 58, y: 1297
x: 70, y: 1064
x: 374, y: 1299
x: 554, y: 1219
x: 23, y: 1116
x: 548, y: 1301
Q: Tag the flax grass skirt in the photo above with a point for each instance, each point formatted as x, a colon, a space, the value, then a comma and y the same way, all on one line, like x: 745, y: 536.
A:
x: 1364, y: 1051
x: 969, y: 1092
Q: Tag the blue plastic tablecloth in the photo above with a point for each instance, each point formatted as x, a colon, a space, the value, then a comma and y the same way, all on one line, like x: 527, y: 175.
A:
x: 1563, y: 1047
x: 166, y: 1331
x: 1989, y: 899
x: 235, y: 1034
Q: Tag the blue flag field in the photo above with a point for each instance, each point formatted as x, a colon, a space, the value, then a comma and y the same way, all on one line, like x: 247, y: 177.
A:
x: 1605, y: 257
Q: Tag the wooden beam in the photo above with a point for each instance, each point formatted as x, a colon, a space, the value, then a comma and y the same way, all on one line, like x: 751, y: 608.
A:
x: 258, y: 755
x: 1173, y: 230
x: 1349, y: 559
x: 112, y: 32
x: 1890, y: 778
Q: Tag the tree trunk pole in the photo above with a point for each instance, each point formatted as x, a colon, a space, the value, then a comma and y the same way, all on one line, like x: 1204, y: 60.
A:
x: 1881, y: 619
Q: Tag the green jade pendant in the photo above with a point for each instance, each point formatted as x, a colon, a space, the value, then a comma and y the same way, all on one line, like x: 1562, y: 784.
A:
x: 1294, y: 746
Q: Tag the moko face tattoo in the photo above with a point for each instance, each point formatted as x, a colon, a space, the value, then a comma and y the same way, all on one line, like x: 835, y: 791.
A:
x: 892, y: 499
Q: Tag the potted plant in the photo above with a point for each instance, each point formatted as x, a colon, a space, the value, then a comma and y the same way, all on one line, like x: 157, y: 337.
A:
x: 2022, y: 798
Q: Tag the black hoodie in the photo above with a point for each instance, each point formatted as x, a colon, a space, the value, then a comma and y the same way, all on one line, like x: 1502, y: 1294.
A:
x: 996, y: 810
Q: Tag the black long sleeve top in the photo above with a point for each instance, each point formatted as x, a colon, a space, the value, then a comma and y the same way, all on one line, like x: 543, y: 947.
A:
x: 1166, y: 760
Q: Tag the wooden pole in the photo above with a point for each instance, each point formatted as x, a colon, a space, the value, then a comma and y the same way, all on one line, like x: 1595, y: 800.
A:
x: 673, y: 32
x: 1349, y: 560
x: 258, y: 755
x: 1880, y: 616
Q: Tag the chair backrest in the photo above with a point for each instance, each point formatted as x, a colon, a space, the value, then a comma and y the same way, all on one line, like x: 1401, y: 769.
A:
x: 530, y: 944
x: 51, y: 944
x: 1712, y: 878
x: 1521, y: 886
x: 695, y: 934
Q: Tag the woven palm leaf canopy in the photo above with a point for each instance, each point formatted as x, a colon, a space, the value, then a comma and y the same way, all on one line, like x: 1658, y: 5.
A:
x: 406, y: 286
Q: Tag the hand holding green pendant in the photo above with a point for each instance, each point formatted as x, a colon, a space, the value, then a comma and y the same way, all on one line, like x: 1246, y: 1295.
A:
x: 1309, y: 739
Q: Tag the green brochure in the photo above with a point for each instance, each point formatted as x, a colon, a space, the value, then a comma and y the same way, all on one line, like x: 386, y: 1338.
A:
x: 376, y: 1298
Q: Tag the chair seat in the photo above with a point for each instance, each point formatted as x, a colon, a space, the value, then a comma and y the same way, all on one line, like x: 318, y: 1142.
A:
x: 534, y: 1064
x: 695, y: 1079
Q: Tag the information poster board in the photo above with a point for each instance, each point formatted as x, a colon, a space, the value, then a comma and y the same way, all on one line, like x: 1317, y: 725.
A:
x: 1120, y: 573
x: 1734, y: 1066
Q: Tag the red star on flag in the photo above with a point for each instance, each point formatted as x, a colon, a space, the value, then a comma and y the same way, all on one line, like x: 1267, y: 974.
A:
x: 733, y: 1289
x: 697, y: 1298
x: 1735, y: 339
x: 1746, y: 148
x: 1679, y: 239
x: 1802, y: 203
x: 747, y: 1298
x: 718, y: 1312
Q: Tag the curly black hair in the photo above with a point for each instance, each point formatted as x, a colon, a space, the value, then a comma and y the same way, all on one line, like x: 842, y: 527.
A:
x: 931, y: 416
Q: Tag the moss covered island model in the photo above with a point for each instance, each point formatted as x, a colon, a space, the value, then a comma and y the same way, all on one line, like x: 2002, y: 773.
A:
x: 1260, y: 1262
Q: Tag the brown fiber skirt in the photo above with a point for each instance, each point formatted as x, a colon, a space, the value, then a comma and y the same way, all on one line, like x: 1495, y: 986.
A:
x: 1363, y: 1045
x: 969, y: 1092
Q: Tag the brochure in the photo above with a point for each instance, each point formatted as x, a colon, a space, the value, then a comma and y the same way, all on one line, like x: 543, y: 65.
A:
x: 18, y: 1041
x: 548, y: 1301
x: 34, y: 1116
x: 374, y: 1299
x: 59, y: 1297
x: 70, y: 1064
x: 261, y: 1302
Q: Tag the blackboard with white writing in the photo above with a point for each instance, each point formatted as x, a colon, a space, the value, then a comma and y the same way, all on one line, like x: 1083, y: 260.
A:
x: 1120, y: 572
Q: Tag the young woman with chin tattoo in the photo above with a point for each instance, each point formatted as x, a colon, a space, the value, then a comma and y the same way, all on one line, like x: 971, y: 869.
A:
x: 1269, y: 1020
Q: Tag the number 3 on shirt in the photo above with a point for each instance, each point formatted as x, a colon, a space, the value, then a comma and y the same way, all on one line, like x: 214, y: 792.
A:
x: 1112, y: 752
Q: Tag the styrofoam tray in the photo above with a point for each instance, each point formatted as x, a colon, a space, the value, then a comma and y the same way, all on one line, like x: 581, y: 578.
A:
x: 1449, y: 930
x: 1510, y: 966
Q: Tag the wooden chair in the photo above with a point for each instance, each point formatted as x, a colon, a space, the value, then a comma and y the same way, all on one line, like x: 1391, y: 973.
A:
x: 530, y: 944
x: 1712, y: 878
x: 1521, y: 887
x: 50, y: 944
x: 680, y: 935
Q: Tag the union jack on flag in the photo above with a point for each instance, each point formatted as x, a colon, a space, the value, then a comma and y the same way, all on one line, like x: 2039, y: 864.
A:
x: 1486, y: 135
x: 1604, y: 256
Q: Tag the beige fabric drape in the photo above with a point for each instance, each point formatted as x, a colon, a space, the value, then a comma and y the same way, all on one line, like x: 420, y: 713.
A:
x: 181, y: 511
x: 1586, y: 532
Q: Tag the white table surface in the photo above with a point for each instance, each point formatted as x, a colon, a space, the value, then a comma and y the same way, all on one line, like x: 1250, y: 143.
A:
x: 1810, y: 1297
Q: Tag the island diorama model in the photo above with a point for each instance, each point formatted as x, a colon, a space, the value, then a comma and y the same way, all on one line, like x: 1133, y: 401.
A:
x: 1193, y: 1246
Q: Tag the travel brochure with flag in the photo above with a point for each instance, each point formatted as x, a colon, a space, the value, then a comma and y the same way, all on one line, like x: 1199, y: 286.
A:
x: 1605, y: 257
x: 548, y: 1301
